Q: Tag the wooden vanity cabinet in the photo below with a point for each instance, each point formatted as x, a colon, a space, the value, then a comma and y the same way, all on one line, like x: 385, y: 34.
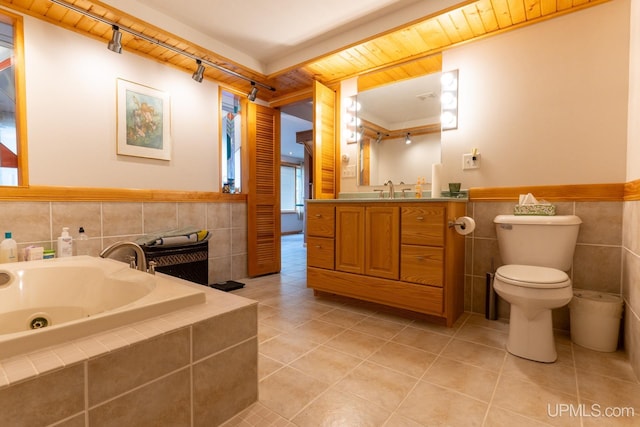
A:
x: 401, y: 254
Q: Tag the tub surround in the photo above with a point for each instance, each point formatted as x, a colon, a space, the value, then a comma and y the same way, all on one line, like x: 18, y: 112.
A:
x: 198, y: 363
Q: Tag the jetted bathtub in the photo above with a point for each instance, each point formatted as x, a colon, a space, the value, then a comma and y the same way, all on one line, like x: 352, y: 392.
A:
x: 49, y: 302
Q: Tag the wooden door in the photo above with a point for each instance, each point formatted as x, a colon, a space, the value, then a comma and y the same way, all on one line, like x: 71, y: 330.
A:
x: 324, y: 142
x: 350, y: 239
x: 382, y: 242
x: 263, y: 199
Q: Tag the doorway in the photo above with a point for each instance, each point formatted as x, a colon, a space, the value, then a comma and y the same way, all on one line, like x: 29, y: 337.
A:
x: 296, y: 130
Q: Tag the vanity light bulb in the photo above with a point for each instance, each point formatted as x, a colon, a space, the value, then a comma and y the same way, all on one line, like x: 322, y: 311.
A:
x: 448, y: 81
x: 448, y: 100
x: 448, y: 120
x: 353, y: 105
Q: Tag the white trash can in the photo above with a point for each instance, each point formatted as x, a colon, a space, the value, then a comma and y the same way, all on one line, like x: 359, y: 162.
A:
x: 595, y: 319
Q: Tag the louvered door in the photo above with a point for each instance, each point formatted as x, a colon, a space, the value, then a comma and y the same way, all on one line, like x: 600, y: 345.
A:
x: 324, y: 142
x: 263, y: 200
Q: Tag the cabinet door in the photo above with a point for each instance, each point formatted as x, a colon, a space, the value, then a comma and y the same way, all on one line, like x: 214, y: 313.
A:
x: 423, y: 225
x: 350, y: 239
x: 382, y: 241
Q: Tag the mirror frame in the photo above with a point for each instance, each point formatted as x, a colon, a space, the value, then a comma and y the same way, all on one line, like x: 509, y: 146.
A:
x: 16, y: 21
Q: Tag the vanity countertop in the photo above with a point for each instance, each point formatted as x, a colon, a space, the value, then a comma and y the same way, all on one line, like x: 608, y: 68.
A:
x: 409, y: 197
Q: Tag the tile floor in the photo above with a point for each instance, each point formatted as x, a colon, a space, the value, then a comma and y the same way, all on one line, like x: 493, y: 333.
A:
x: 339, y: 362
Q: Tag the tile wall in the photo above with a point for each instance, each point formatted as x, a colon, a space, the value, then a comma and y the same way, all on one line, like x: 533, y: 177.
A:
x: 597, y: 261
x: 40, y: 223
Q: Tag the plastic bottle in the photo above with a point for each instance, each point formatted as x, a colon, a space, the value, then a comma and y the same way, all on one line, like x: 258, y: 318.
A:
x: 65, y: 244
x: 8, y: 249
x: 82, y: 243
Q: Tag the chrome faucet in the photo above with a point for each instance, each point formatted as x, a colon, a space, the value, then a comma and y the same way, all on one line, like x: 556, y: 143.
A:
x: 142, y: 259
x: 392, y: 191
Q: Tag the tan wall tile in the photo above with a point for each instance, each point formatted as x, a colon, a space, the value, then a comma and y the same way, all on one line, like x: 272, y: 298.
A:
x: 220, y: 243
x: 597, y: 268
x: 119, y: 219
x: 192, y: 215
x: 238, y: 241
x: 220, y: 332
x: 219, y: 269
x: 239, y: 215
x: 27, y: 221
x: 601, y: 222
x: 159, y: 217
x: 122, y: 370
x: 218, y: 216
x: 44, y: 399
x: 75, y: 215
x: 239, y: 267
x: 166, y: 402
x: 225, y: 384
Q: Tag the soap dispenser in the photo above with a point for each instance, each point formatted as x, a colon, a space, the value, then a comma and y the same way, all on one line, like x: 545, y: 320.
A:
x: 8, y: 249
x: 65, y: 244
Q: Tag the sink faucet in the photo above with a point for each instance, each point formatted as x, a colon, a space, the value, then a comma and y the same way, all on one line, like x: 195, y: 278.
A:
x: 392, y: 191
x: 142, y: 259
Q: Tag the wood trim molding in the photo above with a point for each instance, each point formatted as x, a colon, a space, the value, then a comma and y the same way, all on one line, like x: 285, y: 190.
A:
x: 632, y: 190
x: 84, y: 194
x: 579, y: 192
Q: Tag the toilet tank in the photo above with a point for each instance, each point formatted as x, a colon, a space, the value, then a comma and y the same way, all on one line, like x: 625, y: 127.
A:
x: 545, y: 241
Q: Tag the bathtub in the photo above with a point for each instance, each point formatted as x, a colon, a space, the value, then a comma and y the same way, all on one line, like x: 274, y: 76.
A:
x: 49, y: 302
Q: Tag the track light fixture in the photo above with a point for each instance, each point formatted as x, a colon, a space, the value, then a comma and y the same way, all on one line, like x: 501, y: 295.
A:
x: 198, y: 75
x: 254, y: 91
x: 407, y: 138
x: 115, y: 44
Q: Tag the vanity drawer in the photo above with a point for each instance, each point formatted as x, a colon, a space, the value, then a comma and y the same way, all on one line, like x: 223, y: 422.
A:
x: 422, y: 225
x: 321, y: 220
x: 320, y: 252
x: 422, y: 264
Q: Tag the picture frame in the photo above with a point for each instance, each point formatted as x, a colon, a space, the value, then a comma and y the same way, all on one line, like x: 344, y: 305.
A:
x: 143, y: 121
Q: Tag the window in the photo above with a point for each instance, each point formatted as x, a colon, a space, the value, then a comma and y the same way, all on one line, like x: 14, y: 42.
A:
x: 231, y: 142
x: 291, y: 187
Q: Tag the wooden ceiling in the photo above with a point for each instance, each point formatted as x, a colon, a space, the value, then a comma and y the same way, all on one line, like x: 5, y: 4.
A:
x: 415, y: 47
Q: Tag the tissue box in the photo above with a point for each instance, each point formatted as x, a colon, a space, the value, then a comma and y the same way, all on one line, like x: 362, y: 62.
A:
x: 540, y: 209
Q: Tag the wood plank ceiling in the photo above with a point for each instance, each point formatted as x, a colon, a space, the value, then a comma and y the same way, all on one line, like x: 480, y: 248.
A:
x: 415, y: 46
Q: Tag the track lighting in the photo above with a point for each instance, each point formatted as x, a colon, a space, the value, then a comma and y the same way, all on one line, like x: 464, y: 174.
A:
x: 407, y: 139
x: 115, y: 44
x: 254, y: 91
x: 378, y: 137
x: 199, y: 73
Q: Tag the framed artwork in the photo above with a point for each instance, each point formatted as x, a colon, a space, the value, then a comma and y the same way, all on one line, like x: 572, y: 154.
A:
x: 143, y: 125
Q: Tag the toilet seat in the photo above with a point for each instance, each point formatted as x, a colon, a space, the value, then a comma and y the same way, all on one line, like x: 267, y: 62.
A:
x: 531, y: 276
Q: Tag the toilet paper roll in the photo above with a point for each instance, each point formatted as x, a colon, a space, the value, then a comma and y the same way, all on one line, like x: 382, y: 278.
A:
x: 465, y: 225
x: 436, y: 172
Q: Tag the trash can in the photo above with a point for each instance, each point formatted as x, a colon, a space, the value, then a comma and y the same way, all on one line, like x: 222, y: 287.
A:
x: 595, y: 319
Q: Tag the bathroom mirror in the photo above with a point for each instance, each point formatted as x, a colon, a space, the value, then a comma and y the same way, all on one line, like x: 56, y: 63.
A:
x: 399, y: 131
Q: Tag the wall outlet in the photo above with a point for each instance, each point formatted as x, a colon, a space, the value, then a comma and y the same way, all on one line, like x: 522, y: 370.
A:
x: 349, y: 171
x: 469, y: 161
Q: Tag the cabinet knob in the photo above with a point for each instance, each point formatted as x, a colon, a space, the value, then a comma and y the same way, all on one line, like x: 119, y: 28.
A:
x: 318, y: 215
x: 420, y: 258
x: 420, y: 218
x: 318, y: 247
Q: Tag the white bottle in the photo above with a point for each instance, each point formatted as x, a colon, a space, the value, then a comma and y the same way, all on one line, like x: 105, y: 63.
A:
x: 65, y: 244
x: 82, y: 243
x: 8, y: 249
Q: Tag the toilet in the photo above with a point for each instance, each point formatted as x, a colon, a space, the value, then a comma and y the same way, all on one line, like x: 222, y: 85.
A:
x: 536, y: 251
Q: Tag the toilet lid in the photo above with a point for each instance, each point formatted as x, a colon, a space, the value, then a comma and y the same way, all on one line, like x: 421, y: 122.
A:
x: 531, y: 276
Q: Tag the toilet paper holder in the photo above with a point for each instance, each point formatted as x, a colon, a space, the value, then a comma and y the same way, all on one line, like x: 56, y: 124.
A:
x: 452, y: 224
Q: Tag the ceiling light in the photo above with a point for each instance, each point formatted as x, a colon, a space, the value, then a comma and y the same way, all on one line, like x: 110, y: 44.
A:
x: 115, y: 44
x: 199, y: 73
x: 407, y: 139
x: 253, y: 93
